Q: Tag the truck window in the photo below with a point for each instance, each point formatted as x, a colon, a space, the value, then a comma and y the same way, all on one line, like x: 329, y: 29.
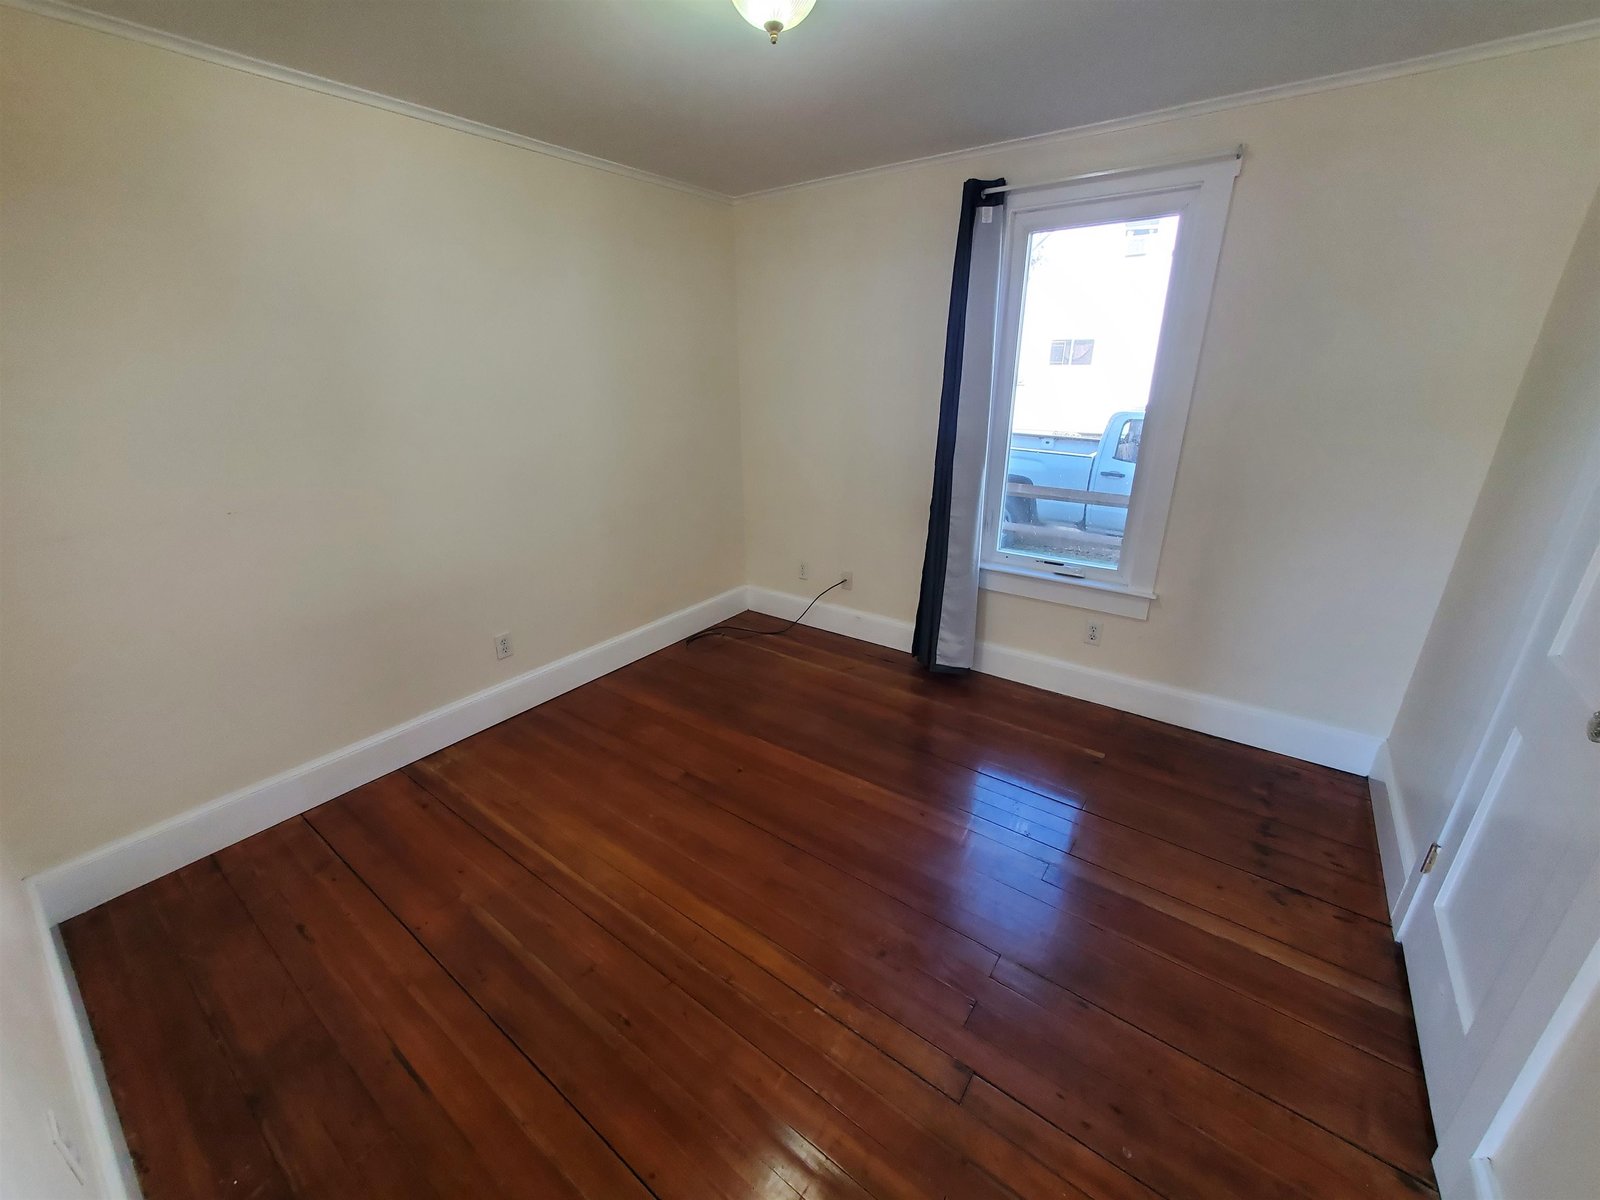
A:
x: 1128, y: 441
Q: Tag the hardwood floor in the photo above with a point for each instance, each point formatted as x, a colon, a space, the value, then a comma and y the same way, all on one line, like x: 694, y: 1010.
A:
x: 779, y: 917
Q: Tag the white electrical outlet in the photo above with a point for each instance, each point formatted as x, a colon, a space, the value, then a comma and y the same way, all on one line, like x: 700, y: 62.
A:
x: 805, y: 571
x: 849, y: 580
x: 1091, y: 633
x: 502, y: 645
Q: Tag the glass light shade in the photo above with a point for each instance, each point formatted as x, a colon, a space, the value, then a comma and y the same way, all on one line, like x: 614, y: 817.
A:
x: 774, y: 16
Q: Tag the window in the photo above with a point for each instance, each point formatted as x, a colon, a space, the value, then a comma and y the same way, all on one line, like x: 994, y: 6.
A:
x: 1075, y: 497
x: 1072, y: 352
x: 1128, y: 440
x: 1136, y: 240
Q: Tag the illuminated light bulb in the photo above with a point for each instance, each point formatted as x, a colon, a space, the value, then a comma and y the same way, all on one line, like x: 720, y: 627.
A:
x: 774, y: 16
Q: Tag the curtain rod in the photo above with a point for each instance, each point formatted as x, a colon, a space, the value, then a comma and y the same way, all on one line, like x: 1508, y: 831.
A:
x: 1236, y: 152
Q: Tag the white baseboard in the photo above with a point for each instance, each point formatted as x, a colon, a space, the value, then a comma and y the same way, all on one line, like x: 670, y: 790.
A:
x: 1397, y: 846
x: 835, y: 618
x: 105, y: 1151
x: 79, y: 885
x: 73, y: 887
x: 1298, y: 737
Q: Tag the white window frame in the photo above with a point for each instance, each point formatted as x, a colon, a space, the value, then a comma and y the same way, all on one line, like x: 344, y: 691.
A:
x: 1200, y: 194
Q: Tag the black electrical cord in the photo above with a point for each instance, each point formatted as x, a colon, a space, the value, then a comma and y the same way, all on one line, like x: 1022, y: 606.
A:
x: 730, y: 630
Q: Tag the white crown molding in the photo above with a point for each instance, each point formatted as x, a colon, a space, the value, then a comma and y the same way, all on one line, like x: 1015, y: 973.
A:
x: 117, y: 27
x: 1520, y: 43
x: 1541, y: 39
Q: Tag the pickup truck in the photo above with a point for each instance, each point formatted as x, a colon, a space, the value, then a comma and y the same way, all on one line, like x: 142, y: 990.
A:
x: 1049, y: 479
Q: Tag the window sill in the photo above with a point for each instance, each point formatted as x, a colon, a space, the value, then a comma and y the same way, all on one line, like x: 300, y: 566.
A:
x: 1110, y: 598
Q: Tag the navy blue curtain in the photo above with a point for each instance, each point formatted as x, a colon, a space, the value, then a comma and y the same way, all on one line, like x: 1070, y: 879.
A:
x: 952, y: 518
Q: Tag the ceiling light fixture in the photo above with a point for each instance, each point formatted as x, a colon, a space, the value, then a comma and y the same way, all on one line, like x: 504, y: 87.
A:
x: 774, y: 16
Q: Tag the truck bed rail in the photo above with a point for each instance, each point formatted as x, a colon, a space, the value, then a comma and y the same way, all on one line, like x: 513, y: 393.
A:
x: 1034, y: 491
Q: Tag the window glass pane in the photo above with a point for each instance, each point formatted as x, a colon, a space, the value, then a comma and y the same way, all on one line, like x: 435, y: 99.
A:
x: 1128, y: 441
x: 1091, y: 304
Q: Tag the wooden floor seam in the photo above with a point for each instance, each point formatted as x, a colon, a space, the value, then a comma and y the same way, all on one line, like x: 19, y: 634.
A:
x: 422, y: 946
x: 779, y: 917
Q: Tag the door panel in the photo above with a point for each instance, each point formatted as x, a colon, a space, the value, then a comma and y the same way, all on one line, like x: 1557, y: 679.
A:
x: 1544, y: 1144
x: 1576, y: 654
x: 1477, y: 929
x: 1519, y: 853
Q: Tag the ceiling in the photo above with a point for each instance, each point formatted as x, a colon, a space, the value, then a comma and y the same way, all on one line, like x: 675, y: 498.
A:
x: 685, y: 89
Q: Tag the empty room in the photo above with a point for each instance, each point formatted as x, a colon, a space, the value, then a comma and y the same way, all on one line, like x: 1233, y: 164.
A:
x: 732, y: 599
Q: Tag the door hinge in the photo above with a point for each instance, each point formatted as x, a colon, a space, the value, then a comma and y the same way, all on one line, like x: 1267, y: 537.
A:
x: 1429, y: 857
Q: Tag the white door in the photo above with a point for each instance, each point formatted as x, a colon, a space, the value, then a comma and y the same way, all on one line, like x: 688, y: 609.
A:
x: 1515, y: 891
x: 1541, y: 1145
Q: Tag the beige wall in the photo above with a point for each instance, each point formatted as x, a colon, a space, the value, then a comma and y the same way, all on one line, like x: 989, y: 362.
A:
x: 1389, y: 256
x: 1467, y: 660
x: 302, y: 403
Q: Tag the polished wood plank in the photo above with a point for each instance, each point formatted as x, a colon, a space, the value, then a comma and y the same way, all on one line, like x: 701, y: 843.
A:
x: 744, y: 1037
x: 964, y: 794
x: 738, y: 679
x: 435, y: 1060
x: 1294, y: 798
x: 1268, y: 1050
x: 490, y: 942
x: 191, y: 1126
x: 331, y: 1135
x: 779, y: 917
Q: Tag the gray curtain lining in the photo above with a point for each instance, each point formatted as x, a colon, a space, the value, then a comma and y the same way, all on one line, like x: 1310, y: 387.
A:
x: 958, y: 623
